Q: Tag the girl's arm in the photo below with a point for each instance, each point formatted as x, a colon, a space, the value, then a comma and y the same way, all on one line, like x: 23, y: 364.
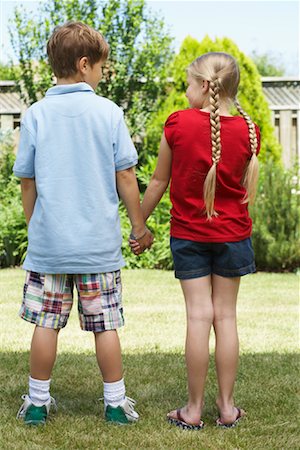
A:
x: 159, y: 180
x: 157, y: 186
x: 29, y: 195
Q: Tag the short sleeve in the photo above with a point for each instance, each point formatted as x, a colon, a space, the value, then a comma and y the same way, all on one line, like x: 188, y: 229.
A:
x: 24, y: 164
x: 170, y: 128
x: 258, y: 138
x: 125, y: 154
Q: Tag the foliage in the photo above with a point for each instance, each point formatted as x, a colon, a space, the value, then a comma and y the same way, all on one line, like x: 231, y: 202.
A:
x: 276, y: 219
x: 9, y: 72
x: 267, y: 65
x: 159, y: 257
x: 250, y: 93
x: 140, y: 50
x: 13, y: 231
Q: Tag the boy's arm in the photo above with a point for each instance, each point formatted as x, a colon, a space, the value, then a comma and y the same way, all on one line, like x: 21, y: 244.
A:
x: 29, y: 195
x: 159, y: 180
x: 129, y: 193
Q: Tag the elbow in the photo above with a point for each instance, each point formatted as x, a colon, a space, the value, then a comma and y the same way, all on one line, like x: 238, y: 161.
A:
x: 159, y: 184
x: 27, y: 183
x: 126, y: 174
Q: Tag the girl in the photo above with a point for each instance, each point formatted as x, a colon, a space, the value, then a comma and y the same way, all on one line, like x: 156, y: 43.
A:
x: 210, y: 157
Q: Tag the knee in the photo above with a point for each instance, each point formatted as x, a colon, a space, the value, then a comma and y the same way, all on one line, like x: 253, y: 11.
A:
x: 203, y: 314
x: 221, y: 313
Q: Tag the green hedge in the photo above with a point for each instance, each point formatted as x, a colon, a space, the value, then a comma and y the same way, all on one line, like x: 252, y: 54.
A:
x: 275, y: 222
x: 275, y: 219
x: 250, y: 94
x: 13, y: 230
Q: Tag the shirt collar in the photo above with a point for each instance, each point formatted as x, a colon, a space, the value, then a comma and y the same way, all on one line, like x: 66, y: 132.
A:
x: 69, y: 88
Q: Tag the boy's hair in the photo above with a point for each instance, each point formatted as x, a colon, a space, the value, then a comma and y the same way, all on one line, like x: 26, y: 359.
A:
x: 222, y: 72
x: 72, y: 41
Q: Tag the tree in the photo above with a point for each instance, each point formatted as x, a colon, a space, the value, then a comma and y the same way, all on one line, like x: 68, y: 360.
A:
x: 140, y: 50
x: 267, y: 65
x: 250, y: 93
x: 8, y: 72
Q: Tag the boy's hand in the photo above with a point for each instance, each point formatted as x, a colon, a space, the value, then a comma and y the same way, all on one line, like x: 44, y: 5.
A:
x: 139, y: 244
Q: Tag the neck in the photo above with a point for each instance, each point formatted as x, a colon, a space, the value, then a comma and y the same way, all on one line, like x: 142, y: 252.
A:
x: 69, y: 80
x: 224, y: 108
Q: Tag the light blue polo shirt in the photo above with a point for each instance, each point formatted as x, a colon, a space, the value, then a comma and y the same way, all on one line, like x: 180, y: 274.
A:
x: 73, y: 142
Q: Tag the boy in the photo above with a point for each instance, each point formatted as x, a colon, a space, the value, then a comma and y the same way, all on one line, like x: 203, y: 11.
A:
x: 75, y: 156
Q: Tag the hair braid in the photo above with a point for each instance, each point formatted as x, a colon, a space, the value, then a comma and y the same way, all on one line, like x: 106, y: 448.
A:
x: 215, y: 124
x: 250, y: 177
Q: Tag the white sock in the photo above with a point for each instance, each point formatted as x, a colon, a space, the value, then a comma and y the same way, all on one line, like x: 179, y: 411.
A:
x: 114, y: 393
x: 39, y: 391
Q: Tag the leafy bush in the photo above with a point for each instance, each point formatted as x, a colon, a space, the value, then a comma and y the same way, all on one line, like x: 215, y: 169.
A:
x: 276, y: 219
x: 135, y: 75
x: 159, y: 257
x: 13, y: 232
x: 250, y: 93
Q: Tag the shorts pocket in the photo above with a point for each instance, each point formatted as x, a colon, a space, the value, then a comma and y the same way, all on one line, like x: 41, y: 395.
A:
x: 89, y: 293
x: 54, y: 287
x: 33, y: 296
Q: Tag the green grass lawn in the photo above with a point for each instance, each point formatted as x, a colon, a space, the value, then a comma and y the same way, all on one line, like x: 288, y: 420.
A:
x: 153, y: 342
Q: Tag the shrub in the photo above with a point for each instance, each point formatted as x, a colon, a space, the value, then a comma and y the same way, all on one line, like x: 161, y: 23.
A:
x: 276, y: 219
x: 250, y: 93
x: 13, y: 232
x: 159, y: 257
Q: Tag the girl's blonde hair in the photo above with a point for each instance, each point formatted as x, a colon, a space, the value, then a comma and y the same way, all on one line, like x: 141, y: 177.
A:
x: 222, y: 72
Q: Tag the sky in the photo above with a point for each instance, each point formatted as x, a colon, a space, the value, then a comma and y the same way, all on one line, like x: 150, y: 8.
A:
x: 270, y: 27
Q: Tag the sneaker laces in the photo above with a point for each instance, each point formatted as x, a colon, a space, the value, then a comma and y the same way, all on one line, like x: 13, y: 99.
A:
x: 131, y: 401
x: 22, y: 411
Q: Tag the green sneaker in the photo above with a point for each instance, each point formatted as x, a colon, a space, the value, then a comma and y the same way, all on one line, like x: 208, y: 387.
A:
x: 122, y: 414
x: 35, y: 415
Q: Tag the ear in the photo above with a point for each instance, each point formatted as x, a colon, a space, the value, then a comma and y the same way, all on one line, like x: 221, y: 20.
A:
x: 205, y: 86
x: 82, y: 64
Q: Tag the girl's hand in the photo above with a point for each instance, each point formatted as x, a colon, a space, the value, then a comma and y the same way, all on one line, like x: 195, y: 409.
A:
x: 135, y: 246
x: 139, y: 244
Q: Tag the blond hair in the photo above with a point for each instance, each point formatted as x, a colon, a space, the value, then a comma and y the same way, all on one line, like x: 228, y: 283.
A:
x: 72, y: 41
x: 222, y: 72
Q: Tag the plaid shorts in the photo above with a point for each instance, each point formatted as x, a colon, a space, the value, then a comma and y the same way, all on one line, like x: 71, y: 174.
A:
x: 48, y: 299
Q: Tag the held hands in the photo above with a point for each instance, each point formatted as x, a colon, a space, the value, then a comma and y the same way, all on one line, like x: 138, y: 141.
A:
x: 140, y: 243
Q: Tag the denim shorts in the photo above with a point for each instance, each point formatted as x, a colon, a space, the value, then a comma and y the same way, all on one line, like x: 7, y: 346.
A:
x: 48, y: 299
x: 199, y: 259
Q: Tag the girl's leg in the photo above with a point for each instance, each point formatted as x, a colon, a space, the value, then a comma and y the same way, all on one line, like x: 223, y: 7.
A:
x: 43, y: 352
x: 109, y: 358
x: 199, y: 310
x: 224, y: 297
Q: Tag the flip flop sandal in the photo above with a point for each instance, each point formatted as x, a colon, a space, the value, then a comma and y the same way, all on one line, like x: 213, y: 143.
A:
x: 233, y: 424
x: 179, y: 422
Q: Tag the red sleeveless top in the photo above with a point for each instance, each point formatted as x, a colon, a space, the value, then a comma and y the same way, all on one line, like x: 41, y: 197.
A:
x: 188, y: 135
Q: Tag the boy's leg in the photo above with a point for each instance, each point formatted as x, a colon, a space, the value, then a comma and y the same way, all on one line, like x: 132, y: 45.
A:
x: 199, y: 310
x: 118, y: 407
x: 108, y: 352
x: 43, y: 352
x: 47, y: 303
x: 100, y: 311
x: 225, y: 291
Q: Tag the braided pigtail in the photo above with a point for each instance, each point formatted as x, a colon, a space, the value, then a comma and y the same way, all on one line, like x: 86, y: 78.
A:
x: 250, y: 177
x: 209, y: 190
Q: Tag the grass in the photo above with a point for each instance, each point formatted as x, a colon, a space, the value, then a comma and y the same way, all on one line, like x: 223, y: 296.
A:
x: 152, y: 343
